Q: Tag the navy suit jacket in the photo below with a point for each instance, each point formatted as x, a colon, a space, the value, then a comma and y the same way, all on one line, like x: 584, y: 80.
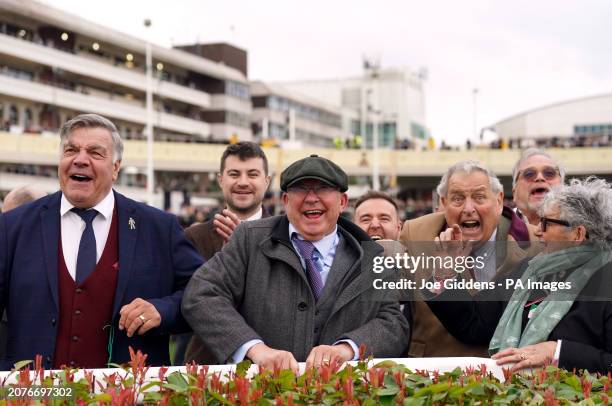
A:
x: 155, y: 264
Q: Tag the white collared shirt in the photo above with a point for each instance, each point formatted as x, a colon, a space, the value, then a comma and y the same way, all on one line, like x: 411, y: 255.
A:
x: 72, y: 226
x: 258, y: 215
x: 487, y: 252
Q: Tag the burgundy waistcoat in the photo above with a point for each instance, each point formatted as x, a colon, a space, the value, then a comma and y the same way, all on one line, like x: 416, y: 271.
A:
x: 86, y: 310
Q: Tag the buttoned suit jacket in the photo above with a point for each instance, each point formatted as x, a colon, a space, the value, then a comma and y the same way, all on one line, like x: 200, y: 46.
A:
x: 429, y: 337
x: 155, y: 264
x: 256, y: 288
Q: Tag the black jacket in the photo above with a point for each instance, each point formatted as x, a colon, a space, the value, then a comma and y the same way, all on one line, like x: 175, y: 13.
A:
x: 585, y: 331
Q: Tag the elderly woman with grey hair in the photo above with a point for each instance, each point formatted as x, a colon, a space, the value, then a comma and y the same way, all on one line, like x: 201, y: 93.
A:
x: 568, y: 322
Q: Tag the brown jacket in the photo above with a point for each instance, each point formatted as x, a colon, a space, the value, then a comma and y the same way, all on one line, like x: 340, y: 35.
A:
x: 204, y: 237
x: 208, y: 242
x: 429, y: 337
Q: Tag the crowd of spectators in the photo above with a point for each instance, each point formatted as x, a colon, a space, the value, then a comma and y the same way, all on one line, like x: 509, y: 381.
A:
x: 408, y: 209
x: 308, y: 265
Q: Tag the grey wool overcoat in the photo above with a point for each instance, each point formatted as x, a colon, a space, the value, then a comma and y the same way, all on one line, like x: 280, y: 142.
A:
x: 256, y: 288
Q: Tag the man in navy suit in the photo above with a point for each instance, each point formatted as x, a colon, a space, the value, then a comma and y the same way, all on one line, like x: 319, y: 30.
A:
x: 86, y: 272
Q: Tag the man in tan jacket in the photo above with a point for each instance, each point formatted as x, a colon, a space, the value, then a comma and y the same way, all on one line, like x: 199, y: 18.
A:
x: 471, y: 199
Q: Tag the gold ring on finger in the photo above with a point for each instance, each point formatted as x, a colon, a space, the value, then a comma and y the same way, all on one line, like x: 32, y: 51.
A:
x: 142, y: 318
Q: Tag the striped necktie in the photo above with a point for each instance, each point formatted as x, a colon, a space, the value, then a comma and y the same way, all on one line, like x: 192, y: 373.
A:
x: 313, y: 271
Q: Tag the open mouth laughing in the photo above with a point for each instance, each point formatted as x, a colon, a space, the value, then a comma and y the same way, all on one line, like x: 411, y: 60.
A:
x: 539, y: 192
x: 313, y: 214
x: 81, y: 178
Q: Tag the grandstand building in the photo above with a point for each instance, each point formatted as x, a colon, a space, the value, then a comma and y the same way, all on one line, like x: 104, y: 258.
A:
x: 289, y: 118
x: 390, y: 100
x: 583, y: 122
x: 54, y: 65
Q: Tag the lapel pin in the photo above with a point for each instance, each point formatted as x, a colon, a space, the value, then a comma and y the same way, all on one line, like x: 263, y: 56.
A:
x: 132, y: 224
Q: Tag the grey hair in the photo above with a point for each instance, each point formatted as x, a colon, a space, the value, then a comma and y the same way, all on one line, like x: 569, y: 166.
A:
x: 468, y: 167
x: 528, y: 153
x: 585, y: 203
x: 93, y: 121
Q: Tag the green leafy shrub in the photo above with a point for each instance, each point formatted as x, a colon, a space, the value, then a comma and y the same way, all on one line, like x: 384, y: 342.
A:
x: 386, y: 383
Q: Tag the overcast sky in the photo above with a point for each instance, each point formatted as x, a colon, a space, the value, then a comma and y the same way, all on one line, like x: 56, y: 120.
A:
x: 520, y: 54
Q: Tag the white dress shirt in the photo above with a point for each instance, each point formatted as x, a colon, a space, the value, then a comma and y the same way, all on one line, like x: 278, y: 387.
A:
x: 487, y: 252
x: 258, y: 215
x: 72, y: 226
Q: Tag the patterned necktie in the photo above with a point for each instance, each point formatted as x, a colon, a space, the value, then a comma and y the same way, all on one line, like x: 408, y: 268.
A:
x: 86, y: 260
x: 313, y: 273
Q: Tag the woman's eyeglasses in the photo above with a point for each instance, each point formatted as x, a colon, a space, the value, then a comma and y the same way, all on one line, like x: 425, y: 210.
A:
x: 545, y: 220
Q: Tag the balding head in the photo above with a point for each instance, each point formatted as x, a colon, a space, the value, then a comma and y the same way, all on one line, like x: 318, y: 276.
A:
x: 376, y: 214
x: 19, y: 196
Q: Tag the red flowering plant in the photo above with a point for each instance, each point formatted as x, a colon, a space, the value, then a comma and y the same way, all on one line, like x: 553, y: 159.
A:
x: 385, y: 383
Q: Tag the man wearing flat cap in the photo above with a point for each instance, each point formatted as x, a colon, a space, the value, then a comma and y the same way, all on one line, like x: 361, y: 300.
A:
x: 292, y: 288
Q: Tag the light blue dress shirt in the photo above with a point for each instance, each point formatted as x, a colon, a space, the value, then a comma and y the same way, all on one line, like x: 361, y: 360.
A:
x: 324, y: 255
x: 324, y: 252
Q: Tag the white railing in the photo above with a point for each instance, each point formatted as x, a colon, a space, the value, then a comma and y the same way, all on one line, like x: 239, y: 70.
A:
x: 424, y: 364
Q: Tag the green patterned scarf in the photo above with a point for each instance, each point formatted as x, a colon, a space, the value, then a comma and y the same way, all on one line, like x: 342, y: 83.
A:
x: 584, y: 260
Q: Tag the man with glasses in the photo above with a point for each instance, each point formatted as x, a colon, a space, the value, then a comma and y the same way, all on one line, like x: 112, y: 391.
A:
x: 291, y: 288
x: 533, y: 176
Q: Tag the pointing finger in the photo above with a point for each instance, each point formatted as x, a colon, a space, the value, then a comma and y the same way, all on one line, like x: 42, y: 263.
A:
x: 457, y: 233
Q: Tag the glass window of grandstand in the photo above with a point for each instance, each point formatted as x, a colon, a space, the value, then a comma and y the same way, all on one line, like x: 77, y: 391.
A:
x: 389, y: 133
x: 284, y: 105
x: 29, y: 120
x: 273, y: 103
x: 386, y: 134
x: 278, y: 131
x: 238, y: 119
x: 308, y: 138
x: 598, y: 129
x: 238, y: 90
x: 13, y: 115
x: 418, y: 131
x: 355, y: 127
